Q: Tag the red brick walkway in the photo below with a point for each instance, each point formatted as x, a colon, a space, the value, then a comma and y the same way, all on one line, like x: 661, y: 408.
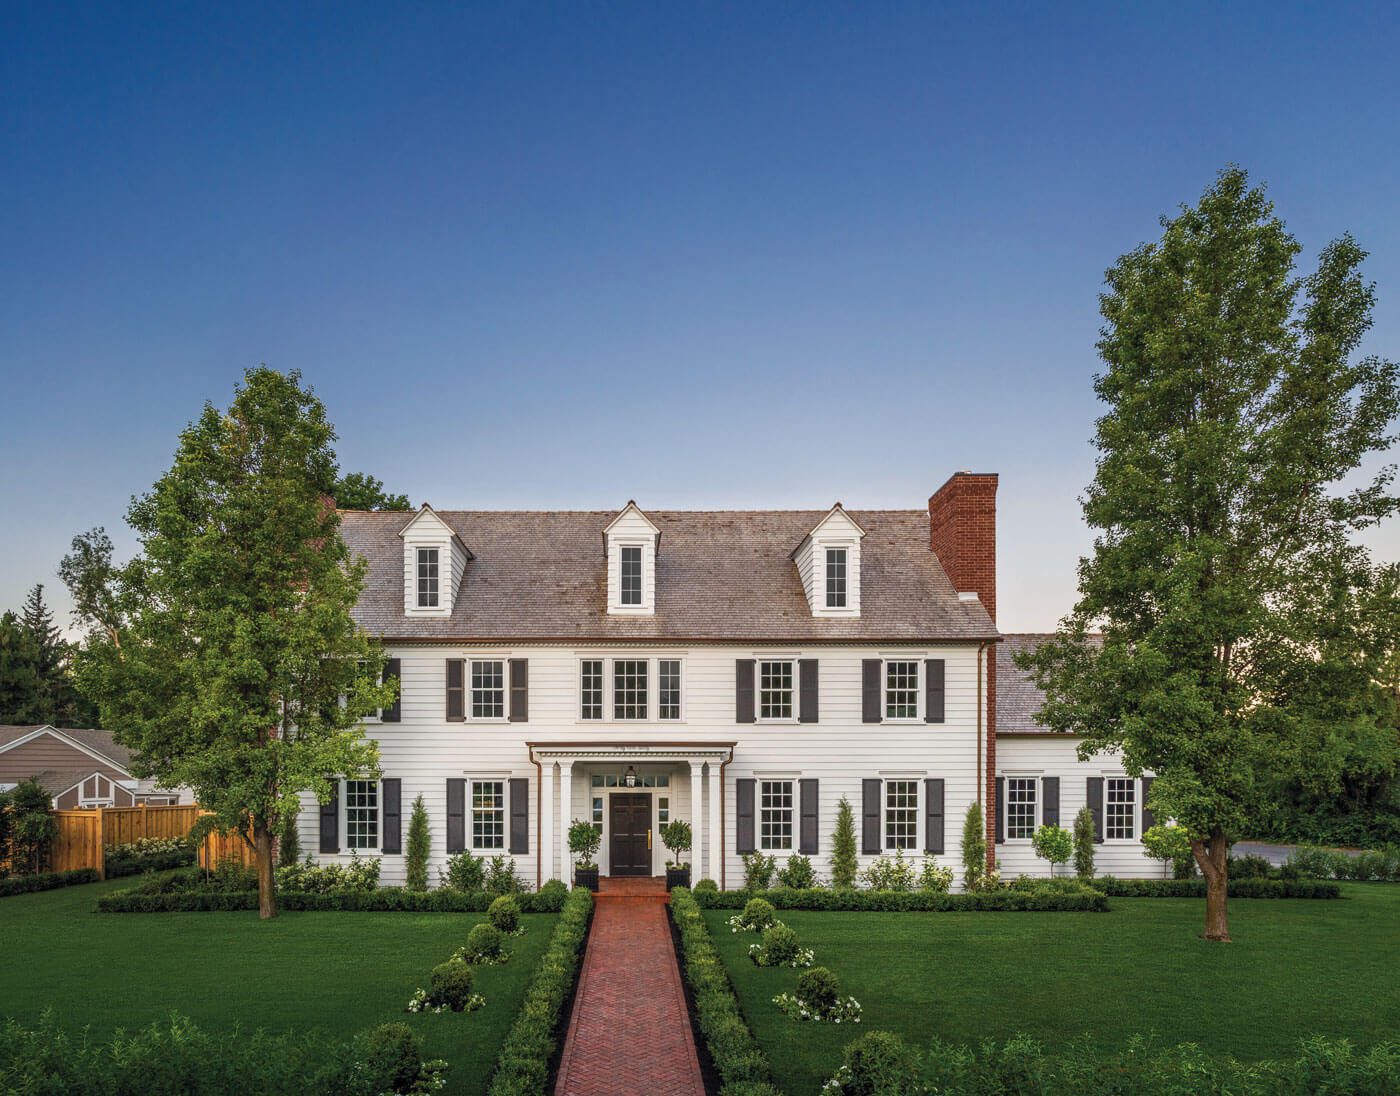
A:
x: 630, y: 1030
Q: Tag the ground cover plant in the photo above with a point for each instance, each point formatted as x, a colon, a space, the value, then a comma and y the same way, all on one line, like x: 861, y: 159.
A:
x: 341, y: 974
x: 964, y: 977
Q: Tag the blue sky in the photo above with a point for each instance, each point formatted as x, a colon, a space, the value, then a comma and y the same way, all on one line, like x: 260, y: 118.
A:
x: 700, y: 256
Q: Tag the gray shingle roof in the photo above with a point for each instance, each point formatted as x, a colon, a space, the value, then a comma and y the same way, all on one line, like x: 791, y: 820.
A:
x: 94, y: 739
x: 1019, y: 698
x: 720, y: 574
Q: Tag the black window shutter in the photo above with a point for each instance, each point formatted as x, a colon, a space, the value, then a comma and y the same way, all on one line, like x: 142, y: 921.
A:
x: 456, y: 814
x: 1148, y: 818
x: 933, y: 815
x: 1000, y: 808
x: 392, y: 673
x: 743, y: 814
x: 330, y: 820
x: 519, y: 690
x: 456, y: 706
x: 806, y: 690
x: 870, y: 815
x: 743, y: 691
x: 870, y: 692
x: 391, y: 792
x: 807, y: 836
x: 1094, y: 794
x: 1050, y: 800
x: 933, y: 700
x: 519, y: 815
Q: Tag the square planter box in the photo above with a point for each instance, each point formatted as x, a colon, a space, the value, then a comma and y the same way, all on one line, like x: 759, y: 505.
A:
x: 586, y: 877
x: 678, y: 877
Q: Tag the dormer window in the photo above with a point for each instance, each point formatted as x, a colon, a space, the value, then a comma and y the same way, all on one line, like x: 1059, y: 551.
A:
x: 427, y: 578
x: 836, y: 578
x: 632, y: 575
x: 631, y: 542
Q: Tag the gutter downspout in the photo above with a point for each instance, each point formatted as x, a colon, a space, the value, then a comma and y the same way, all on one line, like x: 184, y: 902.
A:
x: 722, y: 765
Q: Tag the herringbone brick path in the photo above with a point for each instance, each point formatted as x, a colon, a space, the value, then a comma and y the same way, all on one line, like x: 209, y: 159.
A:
x: 630, y: 1030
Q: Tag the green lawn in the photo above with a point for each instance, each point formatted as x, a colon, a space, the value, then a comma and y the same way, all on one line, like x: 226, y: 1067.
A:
x: 1296, y: 967
x: 339, y: 972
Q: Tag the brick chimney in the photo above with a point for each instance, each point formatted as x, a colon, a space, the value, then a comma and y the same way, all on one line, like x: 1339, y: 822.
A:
x: 962, y: 532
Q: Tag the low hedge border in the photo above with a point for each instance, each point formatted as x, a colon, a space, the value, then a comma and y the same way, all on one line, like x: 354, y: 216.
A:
x: 117, y: 866
x: 523, y: 1064
x: 1081, y: 900
x: 383, y: 900
x: 738, y: 1059
x: 1196, y: 888
x: 48, y: 880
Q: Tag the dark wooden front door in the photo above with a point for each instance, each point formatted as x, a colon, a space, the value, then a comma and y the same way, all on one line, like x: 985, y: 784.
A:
x: 629, y: 821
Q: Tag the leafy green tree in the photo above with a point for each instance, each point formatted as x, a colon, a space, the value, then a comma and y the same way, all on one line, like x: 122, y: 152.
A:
x: 419, y: 845
x: 1243, y: 627
x: 21, y: 683
x: 1084, y: 844
x: 32, y: 827
x: 355, y: 491
x: 974, y: 847
x: 225, y: 654
x: 843, y: 847
x: 1053, y: 843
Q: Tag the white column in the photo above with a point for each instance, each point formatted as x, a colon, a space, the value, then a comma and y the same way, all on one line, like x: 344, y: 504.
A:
x: 566, y: 796
x: 547, y: 821
x: 716, y: 834
x: 697, y: 854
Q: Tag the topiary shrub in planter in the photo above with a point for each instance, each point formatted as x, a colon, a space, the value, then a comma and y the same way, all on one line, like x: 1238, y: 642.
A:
x: 676, y: 836
x: 504, y: 914
x: 485, y: 946
x: 584, y: 841
x: 450, y: 989
x: 779, y: 948
x: 819, y: 999
x: 879, y: 1063
x: 758, y: 914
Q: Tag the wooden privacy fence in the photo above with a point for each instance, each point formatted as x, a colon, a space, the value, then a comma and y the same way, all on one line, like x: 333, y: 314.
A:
x: 83, y: 836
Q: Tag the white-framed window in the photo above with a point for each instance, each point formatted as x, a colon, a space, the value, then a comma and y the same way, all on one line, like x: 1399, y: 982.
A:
x: 597, y: 813
x: 1022, y: 793
x: 668, y: 688
x: 488, y: 689
x: 775, y: 690
x: 591, y: 688
x: 1120, y: 809
x: 901, y: 814
x: 775, y: 814
x: 901, y: 690
x: 836, y: 578
x: 663, y: 810
x: 362, y: 814
x: 631, y: 585
x: 97, y: 791
x: 619, y: 780
x: 488, y: 814
x: 630, y: 688
x: 427, y: 578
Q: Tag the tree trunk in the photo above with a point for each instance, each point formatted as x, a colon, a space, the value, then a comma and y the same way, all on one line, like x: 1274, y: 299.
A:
x: 262, y: 851
x: 1211, y: 857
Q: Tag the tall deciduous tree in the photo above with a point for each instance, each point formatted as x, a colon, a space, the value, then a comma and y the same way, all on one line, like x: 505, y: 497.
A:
x: 1241, y: 623
x: 357, y: 491
x: 225, y: 654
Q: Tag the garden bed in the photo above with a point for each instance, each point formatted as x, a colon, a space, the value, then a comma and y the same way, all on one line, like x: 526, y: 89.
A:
x: 1064, y: 897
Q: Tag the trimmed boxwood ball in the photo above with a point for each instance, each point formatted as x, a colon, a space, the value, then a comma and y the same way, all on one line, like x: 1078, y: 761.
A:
x: 484, y: 942
x: 818, y: 988
x: 759, y: 913
x: 505, y: 914
x: 393, y: 1057
x: 779, y: 944
x: 452, y: 984
x: 880, y: 1064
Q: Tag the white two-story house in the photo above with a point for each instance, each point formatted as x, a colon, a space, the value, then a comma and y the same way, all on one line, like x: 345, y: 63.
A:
x: 740, y: 670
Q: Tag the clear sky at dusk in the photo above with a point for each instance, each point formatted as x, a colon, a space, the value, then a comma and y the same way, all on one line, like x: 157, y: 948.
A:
x: 749, y: 255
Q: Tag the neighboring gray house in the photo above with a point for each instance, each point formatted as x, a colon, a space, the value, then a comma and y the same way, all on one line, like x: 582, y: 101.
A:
x: 77, y: 767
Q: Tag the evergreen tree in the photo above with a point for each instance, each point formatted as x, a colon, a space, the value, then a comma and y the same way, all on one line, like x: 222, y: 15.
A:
x: 289, y: 841
x: 58, y: 700
x: 1084, y: 844
x: 1244, y: 630
x: 38, y: 618
x: 843, y: 847
x: 416, y: 860
x: 974, y: 847
x: 21, y: 684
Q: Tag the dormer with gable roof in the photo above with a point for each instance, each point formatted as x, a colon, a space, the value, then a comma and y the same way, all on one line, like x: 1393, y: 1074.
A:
x: 631, y: 542
x: 828, y: 560
x: 434, y: 565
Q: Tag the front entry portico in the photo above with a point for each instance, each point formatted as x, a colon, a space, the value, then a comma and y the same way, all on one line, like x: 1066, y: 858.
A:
x: 629, y: 791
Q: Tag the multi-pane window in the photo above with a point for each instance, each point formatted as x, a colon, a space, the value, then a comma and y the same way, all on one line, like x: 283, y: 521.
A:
x: 668, y: 688
x: 591, y: 689
x: 1020, y: 807
x: 836, y: 578
x: 1120, y: 801
x: 901, y: 814
x: 775, y: 690
x: 775, y: 814
x: 361, y: 814
x: 631, y: 576
x: 901, y: 690
x: 663, y: 810
x: 427, y: 578
x: 488, y: 690
x: 630, y: 688
x: 643, y: 780
x: 597, y: 818
x: 488, y: 814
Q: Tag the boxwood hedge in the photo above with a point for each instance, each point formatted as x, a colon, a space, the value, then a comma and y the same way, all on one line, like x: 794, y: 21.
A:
x: 1076, y: 899
x: 383, y: 900
x: 48, y: 880
x: 1196, y: 888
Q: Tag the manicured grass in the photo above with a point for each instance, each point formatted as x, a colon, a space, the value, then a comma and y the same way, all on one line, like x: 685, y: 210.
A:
x: 339, y: 972
x: 1296, y: 967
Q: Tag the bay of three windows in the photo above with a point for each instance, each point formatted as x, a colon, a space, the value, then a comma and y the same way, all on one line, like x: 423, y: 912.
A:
x: 630, y: 689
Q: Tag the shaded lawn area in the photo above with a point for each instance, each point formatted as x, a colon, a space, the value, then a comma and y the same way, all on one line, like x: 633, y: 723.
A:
x: 1296, y: 967
x: 338, y: 972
